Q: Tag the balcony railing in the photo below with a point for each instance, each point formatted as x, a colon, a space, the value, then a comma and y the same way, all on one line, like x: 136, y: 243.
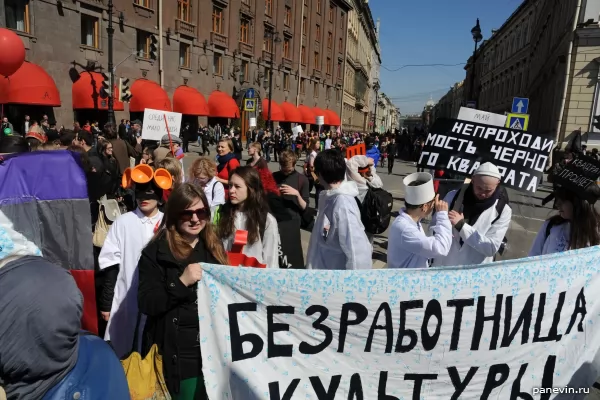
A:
x: 287, y: 63
x: 266, y: 56
x: 246, y: 48
x: 185, y: 28
x: 316, y: 73
x: 218, y: 40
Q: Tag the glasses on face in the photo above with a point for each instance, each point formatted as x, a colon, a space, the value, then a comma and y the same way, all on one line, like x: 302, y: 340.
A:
x: 109, y: 148
x: 201, y: 213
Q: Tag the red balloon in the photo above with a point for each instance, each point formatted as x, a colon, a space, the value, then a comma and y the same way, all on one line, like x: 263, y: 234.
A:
x: 12, y: 50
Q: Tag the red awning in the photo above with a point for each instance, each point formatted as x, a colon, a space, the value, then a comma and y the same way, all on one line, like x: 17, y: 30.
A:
x: 86, y: 93
x: 221, y: 105
x: 276, y: 113
x: 308, y: 116
x: 148, y: 94
x: 189, y: 101
x: 290, y: 112
x: 321, y: 113
x: 30, y: 85
x: 334, y: 118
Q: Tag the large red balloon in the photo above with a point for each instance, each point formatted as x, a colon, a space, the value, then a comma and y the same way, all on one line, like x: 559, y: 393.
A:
x: 12, y: 50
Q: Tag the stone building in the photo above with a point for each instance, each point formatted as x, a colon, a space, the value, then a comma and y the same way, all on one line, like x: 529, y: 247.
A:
x: 198, y: 57
x: 449, y: 105
x: 360, y: 59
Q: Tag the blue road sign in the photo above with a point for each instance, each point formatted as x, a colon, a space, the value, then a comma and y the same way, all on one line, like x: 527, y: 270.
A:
x: 520, y: 105
x: 250, y: 93
x: 517, y: 121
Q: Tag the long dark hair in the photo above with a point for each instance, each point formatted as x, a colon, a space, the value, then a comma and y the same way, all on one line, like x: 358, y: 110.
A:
x: 585, y: 224
x: 181, y: 198
x: 255, y: 207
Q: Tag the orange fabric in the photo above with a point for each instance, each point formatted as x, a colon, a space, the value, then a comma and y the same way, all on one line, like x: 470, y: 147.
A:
x: 224, y: 174
x: 221, y: 105
x: 30, y: 85
x: 86, y: 93
x: 308, y: 116
x: 320, y: 112
x: 148, y: 94
x: 334, y: 118
x: 291, y: 113
x: 189, y: 101
x: 276, y: 112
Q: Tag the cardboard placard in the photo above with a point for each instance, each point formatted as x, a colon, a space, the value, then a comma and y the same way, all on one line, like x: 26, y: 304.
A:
x: 359, y: 149
x: 320, y: 120
x: 461, y: 146
x: 252, y: 122
x: 578, y: 175
x: 154, y: 127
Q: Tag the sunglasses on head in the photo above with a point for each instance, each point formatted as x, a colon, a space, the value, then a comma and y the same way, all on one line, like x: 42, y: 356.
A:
x: 201, y: 213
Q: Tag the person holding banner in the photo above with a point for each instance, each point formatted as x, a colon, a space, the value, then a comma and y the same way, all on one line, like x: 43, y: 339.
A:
x: 169, y: 269
x: 481, y: 222
x: 409, y: 246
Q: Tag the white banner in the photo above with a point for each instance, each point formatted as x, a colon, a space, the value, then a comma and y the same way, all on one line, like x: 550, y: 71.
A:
x: 482, y: 117
x: 154, y: 127
x: 523, y: 329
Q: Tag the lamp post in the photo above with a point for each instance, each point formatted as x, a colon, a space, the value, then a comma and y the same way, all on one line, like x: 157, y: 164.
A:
x: 476, y: 33
x: 376, y: 88
x: 111, y: 73
x: 274, y: 38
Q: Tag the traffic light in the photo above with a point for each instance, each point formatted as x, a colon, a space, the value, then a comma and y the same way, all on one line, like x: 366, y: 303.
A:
x: 596, y: 123
x: 153, y: 47
x: 124, y: 92
x: 105, y: 89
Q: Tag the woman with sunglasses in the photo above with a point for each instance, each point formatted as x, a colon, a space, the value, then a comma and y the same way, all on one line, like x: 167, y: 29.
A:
x: 248, y: 210
x: 169, y: 270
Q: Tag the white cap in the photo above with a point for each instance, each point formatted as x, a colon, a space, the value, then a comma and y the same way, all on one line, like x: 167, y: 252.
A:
x: 488, y: 169
x: 422, y: 194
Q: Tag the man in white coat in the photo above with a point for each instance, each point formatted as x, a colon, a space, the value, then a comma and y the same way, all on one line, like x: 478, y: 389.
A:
x: 481, y: 223
x: 408, y: 245
x: 338, y: 239
x: 126, y: 239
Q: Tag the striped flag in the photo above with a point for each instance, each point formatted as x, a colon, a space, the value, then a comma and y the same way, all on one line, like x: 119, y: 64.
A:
x: 44, y: 207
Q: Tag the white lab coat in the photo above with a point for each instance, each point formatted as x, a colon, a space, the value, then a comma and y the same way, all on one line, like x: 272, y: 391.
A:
x: 556, y: 242
x: 352, y: 166
x: 265, y: 250
x: 346, y: 245
x: 215, y: 194
x: 410, y: 247
x: 126, y: 239
x: 481, y: 241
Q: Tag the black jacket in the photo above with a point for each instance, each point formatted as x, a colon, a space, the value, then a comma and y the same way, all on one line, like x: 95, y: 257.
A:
x: 172, y: 309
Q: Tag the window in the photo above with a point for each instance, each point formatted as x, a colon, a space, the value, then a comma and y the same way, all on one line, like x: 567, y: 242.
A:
x: 268, y: 42
x: 327, y: 93
x: 318, y: 32
x: 246, y: 1
x: 245, y: 31
x: 286, y: 81
x: 328, y: 66
x: 184, y: 55
x: 316, y: 89
x: 17, y: 15
x: 339, y: 69
x: 244, y: 71
x: 269, y: 7
x: 337, y: 94
x: 286, y: 48
x: 217, y: 20
x: 304, y: 26
x: 143, y: 3
x: 329, y: 40
x: 183, y: 10
x: 90, y: 31
x: 319, y: 6
x: 218, y: 64
x: 303, y: 55
x: 340, y: 45
x: 302, y: 86
x: 316, y: 65
x: 331, y: 12
x: 144, y: 43
x: 288, y: 16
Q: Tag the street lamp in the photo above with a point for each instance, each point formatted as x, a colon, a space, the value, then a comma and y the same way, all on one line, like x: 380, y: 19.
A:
x: 111, y: 70
x: 376, y: 88
x: 274, y: 38
x: 476, y: 33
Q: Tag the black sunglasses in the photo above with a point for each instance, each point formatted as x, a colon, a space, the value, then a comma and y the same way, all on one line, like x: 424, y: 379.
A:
x: 201, y: 213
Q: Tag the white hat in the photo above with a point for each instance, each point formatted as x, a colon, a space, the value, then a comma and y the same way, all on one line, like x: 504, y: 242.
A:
x: 421, y: 194
x: 488, y: 169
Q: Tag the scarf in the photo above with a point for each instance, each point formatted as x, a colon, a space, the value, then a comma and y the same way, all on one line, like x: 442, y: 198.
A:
x: 39, y: 346
x: 223, y: 160
x: 473, y: 207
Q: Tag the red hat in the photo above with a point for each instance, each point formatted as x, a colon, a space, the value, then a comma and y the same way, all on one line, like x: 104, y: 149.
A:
x: 39, y: 136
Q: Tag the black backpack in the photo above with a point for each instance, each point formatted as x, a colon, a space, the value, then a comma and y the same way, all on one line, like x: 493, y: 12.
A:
x: 376, y: 210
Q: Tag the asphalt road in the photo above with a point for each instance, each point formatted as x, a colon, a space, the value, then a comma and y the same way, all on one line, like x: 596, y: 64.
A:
x: 528, y: 214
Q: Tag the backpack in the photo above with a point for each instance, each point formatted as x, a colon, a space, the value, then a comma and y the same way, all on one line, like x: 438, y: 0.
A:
x: 376, y: 210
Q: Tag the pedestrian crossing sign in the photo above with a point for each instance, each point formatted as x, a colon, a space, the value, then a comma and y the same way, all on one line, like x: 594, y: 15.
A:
x: 249, y: 104
x: 517, y: 121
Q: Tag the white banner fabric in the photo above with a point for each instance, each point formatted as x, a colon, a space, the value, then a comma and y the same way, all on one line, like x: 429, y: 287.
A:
x: 522, y: 329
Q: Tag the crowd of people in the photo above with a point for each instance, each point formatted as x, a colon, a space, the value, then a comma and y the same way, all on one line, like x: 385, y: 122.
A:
x: 172, y: 220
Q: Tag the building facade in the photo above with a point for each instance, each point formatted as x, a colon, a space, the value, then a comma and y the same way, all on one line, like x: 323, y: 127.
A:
x: 449, y: 105
x: 361, y: 41
x: 387, y: 115
x: 207, y: 45
x: 374, y: 79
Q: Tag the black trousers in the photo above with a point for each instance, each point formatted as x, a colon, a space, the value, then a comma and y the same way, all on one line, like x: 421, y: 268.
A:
x: 391, y: 158
x: 186, y: 144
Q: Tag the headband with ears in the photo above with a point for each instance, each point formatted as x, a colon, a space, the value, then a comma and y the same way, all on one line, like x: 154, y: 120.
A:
x: 144, y: 173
